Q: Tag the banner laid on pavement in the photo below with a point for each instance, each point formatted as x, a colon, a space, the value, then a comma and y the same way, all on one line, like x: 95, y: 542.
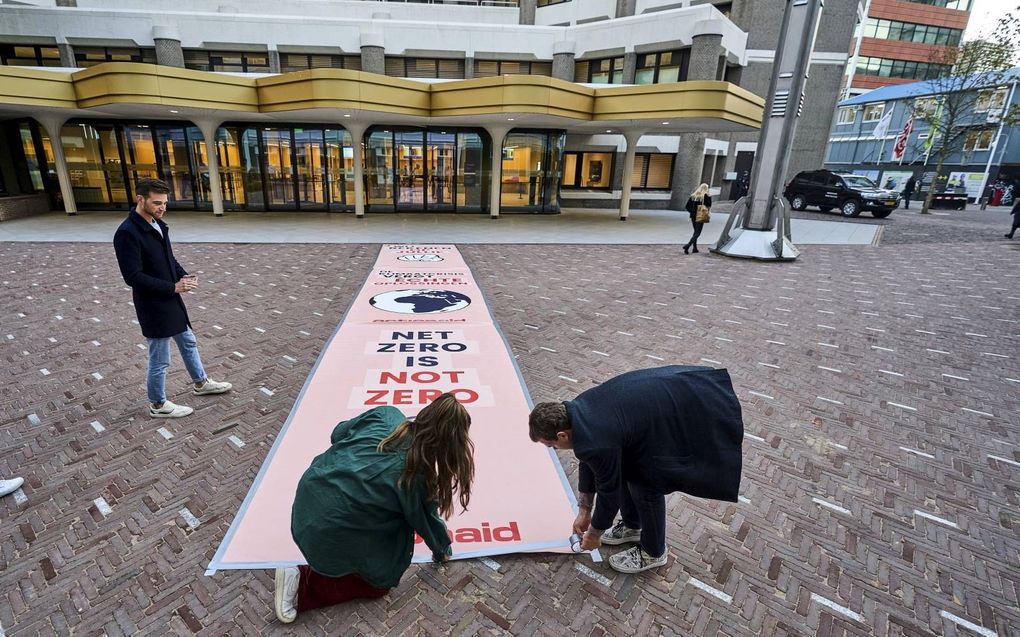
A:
x: 419, y: 327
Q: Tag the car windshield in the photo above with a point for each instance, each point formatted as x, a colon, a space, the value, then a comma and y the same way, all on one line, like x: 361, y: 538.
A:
x: 856, y: 181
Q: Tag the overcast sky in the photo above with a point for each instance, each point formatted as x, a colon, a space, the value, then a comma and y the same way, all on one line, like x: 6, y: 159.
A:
x: 985, y: 14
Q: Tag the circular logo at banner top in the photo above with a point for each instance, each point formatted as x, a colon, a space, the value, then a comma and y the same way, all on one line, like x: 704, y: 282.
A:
x: 419, y: 257
x: 420, y: 301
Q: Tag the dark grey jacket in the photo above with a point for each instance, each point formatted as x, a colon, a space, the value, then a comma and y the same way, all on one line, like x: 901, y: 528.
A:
x: 675, y: 428
x: 148, y: 265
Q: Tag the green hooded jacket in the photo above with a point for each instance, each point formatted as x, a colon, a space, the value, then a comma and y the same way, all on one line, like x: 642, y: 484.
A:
x: 350, y: 516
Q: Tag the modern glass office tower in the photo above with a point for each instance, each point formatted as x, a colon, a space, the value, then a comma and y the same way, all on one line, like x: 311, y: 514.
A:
x: 364, y: 106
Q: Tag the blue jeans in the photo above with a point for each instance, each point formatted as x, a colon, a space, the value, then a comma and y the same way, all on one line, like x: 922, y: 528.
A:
x: 159, y: 362
x: 640, y: 508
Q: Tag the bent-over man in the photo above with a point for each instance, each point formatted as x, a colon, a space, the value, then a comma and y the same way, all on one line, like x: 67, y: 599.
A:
x: 638, y: 437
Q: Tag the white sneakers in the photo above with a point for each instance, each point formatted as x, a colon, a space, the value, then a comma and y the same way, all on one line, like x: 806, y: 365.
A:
x: 8, y: 487
x: 170, y: 410
x: 285, y: 599
x: 211, y: 386
x: 635, y: 560
x: 621, y: 534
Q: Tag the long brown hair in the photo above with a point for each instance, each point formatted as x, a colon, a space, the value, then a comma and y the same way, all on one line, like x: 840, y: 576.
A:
x: 440, y: 452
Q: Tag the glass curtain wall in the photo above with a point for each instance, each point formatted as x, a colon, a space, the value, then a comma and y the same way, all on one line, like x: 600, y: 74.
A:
x: 426, y: 169
x: 532, y: 163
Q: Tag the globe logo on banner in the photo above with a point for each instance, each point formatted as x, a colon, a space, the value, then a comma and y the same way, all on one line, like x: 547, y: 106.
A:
x: 419, y: 257
x: 420, y: 301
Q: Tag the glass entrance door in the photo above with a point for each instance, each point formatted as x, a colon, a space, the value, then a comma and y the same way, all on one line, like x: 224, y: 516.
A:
x: 441, y: 166
x: 279, y: 169
x: 410, y: 169
x: 311, y: 169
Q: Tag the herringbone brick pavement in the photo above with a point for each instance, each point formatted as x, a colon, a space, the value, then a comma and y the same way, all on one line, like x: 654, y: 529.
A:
x: 881, y: 490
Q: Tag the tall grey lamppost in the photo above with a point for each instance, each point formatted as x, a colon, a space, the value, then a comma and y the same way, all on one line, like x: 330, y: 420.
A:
x: 752, y: 230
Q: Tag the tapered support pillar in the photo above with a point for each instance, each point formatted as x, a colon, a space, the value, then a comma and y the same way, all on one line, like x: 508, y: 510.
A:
x: 497, y: 133
x: 632, y: 138
x: 357, y: 138
x: 208, y: 128
x: 53, y: 124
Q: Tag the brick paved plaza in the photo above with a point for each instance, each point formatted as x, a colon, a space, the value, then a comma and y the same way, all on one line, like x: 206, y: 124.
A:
x: 880, y: 385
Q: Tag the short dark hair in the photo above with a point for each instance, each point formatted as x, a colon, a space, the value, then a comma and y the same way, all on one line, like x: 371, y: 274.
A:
x: 546, y: 420
x: 146, y: 187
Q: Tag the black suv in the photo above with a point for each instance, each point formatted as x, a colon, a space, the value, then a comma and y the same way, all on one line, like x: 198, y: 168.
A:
x: 849, y: 193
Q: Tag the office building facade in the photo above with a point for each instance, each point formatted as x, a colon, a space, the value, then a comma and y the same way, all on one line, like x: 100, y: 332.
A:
x: 905, y: 41
x: 474, y: 106
x: 985, y: 157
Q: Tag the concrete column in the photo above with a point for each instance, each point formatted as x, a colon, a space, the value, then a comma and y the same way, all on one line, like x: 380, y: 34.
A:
x: 53, y: 124
x: 66, y: 55
x: 527, y: 14
x: 208, y: 128
x: 625, y: 8
x: 373, y: 52
x: 629, y: 67
x: 168, y: 46
x: 706, y: 54
x: 498, y: 134
x: 632, y: 138
x: 563, y: 60
x: 706, y: 51
x: 469, y: 68
x: 690, y: 157
x: 357, y: 132
x: 274, y: 60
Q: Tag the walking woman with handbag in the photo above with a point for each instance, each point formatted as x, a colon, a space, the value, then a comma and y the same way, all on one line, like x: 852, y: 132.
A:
x: 360, y: 503
x: 699, y: 206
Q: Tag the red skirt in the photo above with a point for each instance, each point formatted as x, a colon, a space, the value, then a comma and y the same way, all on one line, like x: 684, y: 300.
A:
x: 318, y: 591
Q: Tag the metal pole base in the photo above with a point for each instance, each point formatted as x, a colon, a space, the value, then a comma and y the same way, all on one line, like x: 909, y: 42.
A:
x: 756, y: 244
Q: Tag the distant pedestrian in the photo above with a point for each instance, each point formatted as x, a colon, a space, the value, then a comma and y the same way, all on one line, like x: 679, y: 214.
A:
x: 1016, y: 219
x: 8, y: 487
x: 698, y: 205
x: 908, y: 190
x: 157, y: 280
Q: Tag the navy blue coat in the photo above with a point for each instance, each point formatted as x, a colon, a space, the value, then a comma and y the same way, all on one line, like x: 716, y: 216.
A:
x: 675, y: 428
x: 148, y: 265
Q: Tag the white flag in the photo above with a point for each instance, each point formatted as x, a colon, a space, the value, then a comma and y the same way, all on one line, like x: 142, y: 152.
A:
x: 882, y: 127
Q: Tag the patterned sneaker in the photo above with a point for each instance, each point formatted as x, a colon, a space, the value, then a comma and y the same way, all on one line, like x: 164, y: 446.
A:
x: 210, y: 386
x: 170, y: 410
x: 285, y: 598
x: 635, y: 560
x: 621, y: 534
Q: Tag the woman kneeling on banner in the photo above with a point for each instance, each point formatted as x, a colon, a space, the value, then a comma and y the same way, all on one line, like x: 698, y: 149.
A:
x: 360, y: 503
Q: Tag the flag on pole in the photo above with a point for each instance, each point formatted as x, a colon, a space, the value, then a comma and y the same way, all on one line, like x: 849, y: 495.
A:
x: 934, y: 129
x: 900, y: 147
x: 883, y: 124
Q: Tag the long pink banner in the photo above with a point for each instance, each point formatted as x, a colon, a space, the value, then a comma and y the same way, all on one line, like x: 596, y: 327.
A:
x: 419, y: 327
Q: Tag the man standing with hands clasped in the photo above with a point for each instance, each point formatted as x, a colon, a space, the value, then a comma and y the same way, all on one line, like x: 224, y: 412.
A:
x: 638, y: 437
x: 157, y: 280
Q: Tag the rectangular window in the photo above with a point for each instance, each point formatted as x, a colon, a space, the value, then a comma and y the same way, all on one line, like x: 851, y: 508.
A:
x: 979, y: 139
x: 91, y: 56
x: 29, y: 55
x: 847, y: 115
x: 290, y: 62
x: 414, y: 67
x: 226, y: 61
x: 603, y: 71
x: 873, y: 112
x: 924, y: 107
x: 495, y: 68
x: 587, y: 170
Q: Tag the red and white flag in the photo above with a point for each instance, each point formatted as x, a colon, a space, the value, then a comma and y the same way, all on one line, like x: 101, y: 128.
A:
x: 900, y: 147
